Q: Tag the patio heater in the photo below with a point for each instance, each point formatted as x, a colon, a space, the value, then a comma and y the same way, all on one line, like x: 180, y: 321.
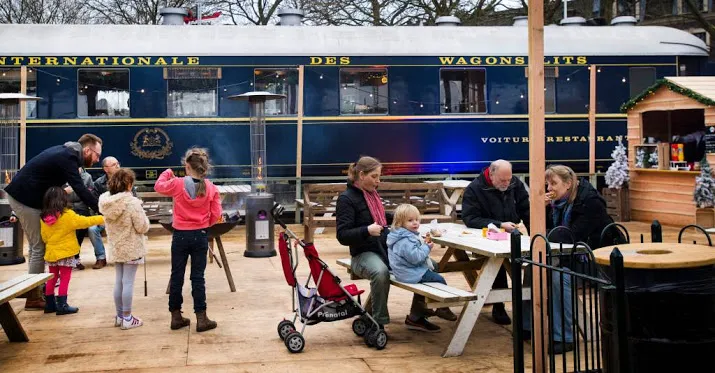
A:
x: 10, y: 232
x: 259, y: 224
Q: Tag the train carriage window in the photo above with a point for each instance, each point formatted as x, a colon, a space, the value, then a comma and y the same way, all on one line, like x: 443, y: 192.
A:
x: 363, y: 91
x: 640, y: 79
x: 278, y: 81
x: 103, y: 92
x: 463, y: 90
x: 10, y: 83
x: 551, y: 73
x: 192, y: 92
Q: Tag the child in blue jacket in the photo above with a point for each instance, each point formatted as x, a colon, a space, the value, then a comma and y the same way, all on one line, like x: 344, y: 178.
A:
x: 408, y: 256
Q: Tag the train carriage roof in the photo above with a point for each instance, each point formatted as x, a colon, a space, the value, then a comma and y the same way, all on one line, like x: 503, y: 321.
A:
x: 224, y: 40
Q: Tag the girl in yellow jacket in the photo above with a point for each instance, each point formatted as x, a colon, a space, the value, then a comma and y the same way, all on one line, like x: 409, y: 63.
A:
x: 58, y: 227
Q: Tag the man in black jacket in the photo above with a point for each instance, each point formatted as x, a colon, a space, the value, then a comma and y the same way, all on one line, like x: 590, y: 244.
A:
x: 55, y: 166
x: 499, y: 198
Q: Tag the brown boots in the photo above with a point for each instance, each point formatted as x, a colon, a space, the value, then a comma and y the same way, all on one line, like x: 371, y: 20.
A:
x: 178, y: 322
x: 203, y: 323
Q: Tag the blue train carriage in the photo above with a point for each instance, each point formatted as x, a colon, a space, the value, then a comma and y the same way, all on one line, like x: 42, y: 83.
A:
x: 424, y: 100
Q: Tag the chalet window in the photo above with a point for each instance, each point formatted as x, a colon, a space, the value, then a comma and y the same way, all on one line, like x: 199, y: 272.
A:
x: 462, y: 90
x: 640, y: 79
x: 192, y: 92
x: 278, y: 81
x: 103, y: 92
x: 363, y: 91
x: 10, y: 83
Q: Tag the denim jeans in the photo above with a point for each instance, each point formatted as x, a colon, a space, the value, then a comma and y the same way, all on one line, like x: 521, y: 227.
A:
x: 185, y: 244
x: 556, y: 298
x: 419, y: 304
x: 95, y: 236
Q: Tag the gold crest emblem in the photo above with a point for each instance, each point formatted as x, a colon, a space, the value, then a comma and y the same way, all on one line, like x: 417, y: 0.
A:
x: 151, y: 143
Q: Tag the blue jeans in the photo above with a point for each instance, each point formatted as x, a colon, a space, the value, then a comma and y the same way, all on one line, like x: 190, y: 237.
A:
x: 95, y: 236
x: 185, y: 244
x: 432, y: 276
x: 556, y: 299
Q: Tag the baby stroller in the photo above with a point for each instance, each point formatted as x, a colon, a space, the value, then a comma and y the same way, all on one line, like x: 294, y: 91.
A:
x: 328, y: 301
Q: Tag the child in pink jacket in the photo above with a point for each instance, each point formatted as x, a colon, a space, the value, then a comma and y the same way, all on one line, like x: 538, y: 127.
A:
x: 197, y: 206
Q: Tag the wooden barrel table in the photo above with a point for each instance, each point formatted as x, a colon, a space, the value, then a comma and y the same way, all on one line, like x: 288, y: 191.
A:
x: 670, y: 307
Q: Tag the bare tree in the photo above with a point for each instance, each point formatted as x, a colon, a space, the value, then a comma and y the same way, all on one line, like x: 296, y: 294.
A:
x: 364, y: 12
x: 257, y: 12
x: 130, y: 11
x: 43, y: 11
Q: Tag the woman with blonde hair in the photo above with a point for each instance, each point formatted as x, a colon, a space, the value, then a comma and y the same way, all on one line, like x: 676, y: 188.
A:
x: 574, y: 203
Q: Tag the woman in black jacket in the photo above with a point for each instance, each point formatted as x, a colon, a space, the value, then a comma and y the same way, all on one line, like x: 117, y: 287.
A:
x: 362, y: 225
x: 577, y: 205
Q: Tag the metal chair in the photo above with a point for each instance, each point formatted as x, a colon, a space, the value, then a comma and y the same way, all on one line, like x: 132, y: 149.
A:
x: 680, y: 235
x: 618, y: 227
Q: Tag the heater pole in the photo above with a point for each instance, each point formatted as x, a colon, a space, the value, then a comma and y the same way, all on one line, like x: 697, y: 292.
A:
x: 299, y: 140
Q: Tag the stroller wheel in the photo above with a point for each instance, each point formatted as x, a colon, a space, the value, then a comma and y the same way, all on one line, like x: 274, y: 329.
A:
x: 294, y: 342
x: 285, y: 327
x: 379, y: 339
x: 370, y: 331
x: 359, y: 327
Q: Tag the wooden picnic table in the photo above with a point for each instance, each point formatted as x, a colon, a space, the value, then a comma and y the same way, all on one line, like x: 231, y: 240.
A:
x: 457, y: 187
x: 489, y: 256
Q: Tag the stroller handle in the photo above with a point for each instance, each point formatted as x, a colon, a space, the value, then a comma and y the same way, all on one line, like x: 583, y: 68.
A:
x: 276, y: 212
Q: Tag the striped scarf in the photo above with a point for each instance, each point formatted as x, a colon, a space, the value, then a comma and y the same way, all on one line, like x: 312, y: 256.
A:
x: 374, y: 204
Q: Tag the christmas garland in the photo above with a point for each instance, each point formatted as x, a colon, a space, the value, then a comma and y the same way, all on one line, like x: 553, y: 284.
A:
x: 673, y: 87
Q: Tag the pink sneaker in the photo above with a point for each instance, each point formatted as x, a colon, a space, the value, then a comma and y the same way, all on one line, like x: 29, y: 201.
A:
x: 132, y: 323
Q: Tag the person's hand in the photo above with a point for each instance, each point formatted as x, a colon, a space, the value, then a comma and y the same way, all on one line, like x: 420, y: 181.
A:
x: 430, y: 245
x: 68, y: 190
x: 13, y: 219
x: 375, y: 229
x: 508, y: 226
x: 548, y: 197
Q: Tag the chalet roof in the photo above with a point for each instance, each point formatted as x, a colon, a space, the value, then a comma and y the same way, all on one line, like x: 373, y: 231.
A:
x: 698, y: 88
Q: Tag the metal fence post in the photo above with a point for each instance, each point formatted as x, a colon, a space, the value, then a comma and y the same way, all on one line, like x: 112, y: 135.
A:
x: 516, y: 302
x: 656, y: 232
x: 620, y: 309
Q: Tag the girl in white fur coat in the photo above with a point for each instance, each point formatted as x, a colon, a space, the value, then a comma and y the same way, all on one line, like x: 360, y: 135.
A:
x: 126, y: 223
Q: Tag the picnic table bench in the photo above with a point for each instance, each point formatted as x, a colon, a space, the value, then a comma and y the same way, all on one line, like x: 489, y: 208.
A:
x: 10, y: 290
x: 436, y: 294
x: 319, y: 202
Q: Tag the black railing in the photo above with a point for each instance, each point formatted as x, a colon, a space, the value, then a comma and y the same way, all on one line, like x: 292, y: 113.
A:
x: 585, y: 311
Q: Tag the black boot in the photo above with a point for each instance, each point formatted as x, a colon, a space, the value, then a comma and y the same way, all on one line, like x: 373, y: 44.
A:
x: 499, y: 314
x: 50, y: 306
x: 203, y: 323
x: 62, y: 307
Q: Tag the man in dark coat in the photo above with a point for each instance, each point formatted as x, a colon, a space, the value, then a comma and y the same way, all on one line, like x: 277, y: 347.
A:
x: 499, y: 198
x: 55, y: 166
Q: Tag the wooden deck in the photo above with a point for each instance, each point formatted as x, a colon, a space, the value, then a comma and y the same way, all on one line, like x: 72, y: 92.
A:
x: 246, y: 337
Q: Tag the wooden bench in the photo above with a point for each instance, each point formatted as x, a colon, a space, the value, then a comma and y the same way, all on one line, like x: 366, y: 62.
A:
x: 436, y: 294
x: 319, y: 201
x: 10, y: 290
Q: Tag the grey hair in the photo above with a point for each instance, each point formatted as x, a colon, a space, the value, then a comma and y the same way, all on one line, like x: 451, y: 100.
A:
x: 108, y: 159
x: 499, y: 163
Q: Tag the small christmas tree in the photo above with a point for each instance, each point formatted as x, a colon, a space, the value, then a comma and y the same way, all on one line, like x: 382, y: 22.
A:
x: 704, y: 186
x: 617, y: 174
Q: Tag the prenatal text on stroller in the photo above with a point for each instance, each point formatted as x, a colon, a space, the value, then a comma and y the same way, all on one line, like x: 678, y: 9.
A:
x: 328, y: 301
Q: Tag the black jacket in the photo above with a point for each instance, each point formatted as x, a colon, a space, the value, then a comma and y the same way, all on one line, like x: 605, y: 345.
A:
x: 55, y: 166
x: 483, y: 204
x: 588, y: 218
x: 353, y: 217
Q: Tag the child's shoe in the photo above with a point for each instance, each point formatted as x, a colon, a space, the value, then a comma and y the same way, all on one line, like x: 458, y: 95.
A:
x: 132, y: 323
x: 203, y: 323
x: 177, y: 321
x: 62, y: 307
x: 50, y: 306
x: 117, y: 321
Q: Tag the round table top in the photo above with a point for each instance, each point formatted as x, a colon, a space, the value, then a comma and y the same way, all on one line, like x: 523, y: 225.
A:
x: 659, y: 255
